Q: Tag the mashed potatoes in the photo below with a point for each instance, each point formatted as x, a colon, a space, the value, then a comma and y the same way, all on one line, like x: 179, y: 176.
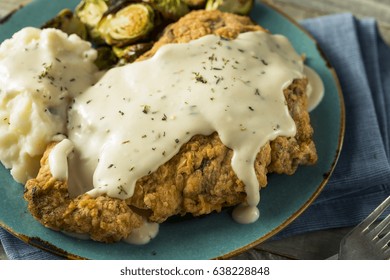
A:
x: 37, y: 85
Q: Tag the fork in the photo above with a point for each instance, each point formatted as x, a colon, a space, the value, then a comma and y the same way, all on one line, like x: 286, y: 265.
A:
x: 368, y: 240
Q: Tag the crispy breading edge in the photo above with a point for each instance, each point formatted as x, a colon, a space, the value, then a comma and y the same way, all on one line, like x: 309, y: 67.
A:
x: 50, y: 203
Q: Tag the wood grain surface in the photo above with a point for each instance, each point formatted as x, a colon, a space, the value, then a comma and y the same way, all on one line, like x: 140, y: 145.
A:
x: 300, y: 9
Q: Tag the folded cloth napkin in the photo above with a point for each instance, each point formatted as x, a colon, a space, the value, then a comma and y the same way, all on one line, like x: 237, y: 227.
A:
x: 361, y: 179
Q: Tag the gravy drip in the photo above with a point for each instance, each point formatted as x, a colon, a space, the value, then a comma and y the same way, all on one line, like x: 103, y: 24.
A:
x: 315, y: 89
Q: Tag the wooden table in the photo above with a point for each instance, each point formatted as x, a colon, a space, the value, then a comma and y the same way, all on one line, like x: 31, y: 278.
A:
x: 315, y: 245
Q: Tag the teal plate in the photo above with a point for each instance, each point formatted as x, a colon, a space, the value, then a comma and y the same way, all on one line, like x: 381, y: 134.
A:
x: 214, y: 236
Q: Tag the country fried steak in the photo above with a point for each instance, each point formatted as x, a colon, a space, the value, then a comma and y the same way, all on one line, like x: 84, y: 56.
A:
x: 198, y: 180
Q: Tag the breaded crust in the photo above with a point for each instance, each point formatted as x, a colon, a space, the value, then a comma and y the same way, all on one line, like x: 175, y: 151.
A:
x: 198, y: 180
x: 199, y: 23
x: 104, y: 218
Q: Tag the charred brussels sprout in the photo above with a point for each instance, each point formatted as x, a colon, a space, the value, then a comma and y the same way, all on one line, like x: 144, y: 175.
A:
x: 131, y: 53
x: 106, y: 58
x: 170, y: 9
x: 132, y: 23
x: 241, y: 7
x: 68, y: 23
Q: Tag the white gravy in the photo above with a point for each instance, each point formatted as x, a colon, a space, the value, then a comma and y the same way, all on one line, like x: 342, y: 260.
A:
x: 137, y: 116
x: 144, y: 234
x: 58, y: 159
x: 245, y: 214
x: 315, y: 89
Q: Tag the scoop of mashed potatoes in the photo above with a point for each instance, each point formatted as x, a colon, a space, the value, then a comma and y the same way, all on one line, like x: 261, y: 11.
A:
x: 40, y: 73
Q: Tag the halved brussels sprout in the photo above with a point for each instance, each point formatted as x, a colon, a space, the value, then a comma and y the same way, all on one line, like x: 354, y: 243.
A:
x: 106, y: 58
x: 116, y: 5
x: 128, y: 25
x: 68, y: 23
x: 130, y: 53
x: 241, y: 7
x: 170, y: 9
x: 90, y: 13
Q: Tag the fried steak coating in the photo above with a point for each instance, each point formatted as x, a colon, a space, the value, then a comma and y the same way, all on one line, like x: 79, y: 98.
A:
x: 198, y: 180
x: 199, y: 23
x: 106, y: 219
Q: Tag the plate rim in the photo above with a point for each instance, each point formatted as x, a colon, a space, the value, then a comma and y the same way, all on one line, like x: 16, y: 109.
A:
x: 47, y: 246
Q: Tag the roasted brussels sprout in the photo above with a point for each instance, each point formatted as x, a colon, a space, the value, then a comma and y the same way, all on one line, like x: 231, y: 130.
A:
x: 130, y: 53
x: 67, y: 22
x: 116, y: 5
x: 90, y: 13
x: 241, y: 7
x: 170, y: 9
x: 195, y: 3
x: 106, y: 58
x: 132, y: 23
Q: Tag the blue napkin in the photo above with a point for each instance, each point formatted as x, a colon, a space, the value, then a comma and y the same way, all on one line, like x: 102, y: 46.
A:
x: 362, y: 176
x: 361, y: 179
